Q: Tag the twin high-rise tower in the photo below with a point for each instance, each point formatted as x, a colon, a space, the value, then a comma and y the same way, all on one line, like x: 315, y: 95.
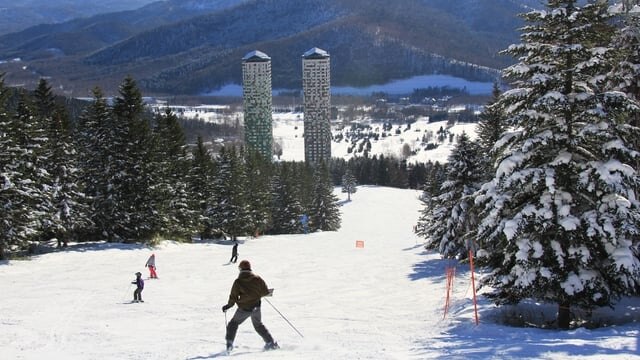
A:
x: 256, y: 77
x: 256, y: 95
x: 317, y: 106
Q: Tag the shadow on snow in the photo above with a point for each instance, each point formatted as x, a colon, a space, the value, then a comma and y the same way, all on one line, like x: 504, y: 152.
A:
x: 467, y: 341
x: 435, y: 269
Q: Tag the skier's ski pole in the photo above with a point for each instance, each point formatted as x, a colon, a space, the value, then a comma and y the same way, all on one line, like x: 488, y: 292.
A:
x: 128, y: 291
x: 285, y: 319
x: 225, y: 319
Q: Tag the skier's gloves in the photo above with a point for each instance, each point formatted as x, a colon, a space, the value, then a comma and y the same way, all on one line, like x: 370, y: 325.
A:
x: 226, y: 307
x: 270, y: 292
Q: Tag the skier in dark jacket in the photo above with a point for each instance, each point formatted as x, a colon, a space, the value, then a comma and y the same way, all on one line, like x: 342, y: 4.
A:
x: 234, y: 252
x: 246, y: 292
x: 137, y: 293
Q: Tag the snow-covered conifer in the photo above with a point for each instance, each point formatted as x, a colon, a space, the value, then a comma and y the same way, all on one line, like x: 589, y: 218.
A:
x: 201, y: 177
x: 561, y: 211
x: 491, y: 126
x: 95, y: 133
x: 259, y: 171
x: 135, y: 176
x: 70, y: 208
x: 285, y: 204
x: 229, y: 211
x: 324, y: 213
x: 349, y: 183
x: 25, y: 198
x: 177, y: 206
x: 448, y: 221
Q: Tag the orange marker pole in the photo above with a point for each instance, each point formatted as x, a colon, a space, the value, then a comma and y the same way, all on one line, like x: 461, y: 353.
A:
x: 473, y: 284
x: 450, y: 277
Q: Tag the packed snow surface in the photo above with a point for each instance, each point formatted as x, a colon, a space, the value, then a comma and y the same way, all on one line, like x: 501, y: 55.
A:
x: 384, y: 300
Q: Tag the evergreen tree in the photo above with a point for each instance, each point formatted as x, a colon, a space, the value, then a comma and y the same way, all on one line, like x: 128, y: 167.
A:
x: 398, y: 173
x: 177, y: 207
x: 561, y: 211
x: 229, y: 211
x: 625, y: 77
x: 243, y: 223
x: 349, y: 184
x: 417, y: 175
x: 70, y: 210
x: 201, y: 179
x: 625, y: 73
x: 13, y: 219
x: 491, y: 126
x: 304, y: 184
x: 25, y: 195
x: 324, y: 213
x: 96, y: 134
x: 381, y: 170
x: 448, y: 222
x: 285, y: 204
x: 134, y: 181
x: 436, y: 174
x: 259, y: 190
x: 44, y: 99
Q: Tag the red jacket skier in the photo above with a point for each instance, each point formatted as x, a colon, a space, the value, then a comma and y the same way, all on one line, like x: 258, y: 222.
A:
x: 151, y: 264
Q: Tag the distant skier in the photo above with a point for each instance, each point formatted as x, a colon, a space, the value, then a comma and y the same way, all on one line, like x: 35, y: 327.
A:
x: 304, y: 220
x: 137, y: 293
x: 246, y: 292
x: 234, y: 252
x: 151, y: 264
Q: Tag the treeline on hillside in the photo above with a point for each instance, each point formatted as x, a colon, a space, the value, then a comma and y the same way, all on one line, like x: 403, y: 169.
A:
x: 388, y: 171
x: 120, y: 174
x: 193, y: 128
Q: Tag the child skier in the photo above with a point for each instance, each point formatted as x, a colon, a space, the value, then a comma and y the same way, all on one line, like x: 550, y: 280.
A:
x: 151, y: 264
x: 246, y: 292
x: 137, y: 293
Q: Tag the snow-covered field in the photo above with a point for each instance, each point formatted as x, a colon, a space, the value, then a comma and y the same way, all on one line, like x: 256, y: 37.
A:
x: 382, y: 301
x: 288, y: 129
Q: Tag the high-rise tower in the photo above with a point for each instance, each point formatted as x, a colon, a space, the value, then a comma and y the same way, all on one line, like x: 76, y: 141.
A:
x: 256, y: 95
x: 317, y: 105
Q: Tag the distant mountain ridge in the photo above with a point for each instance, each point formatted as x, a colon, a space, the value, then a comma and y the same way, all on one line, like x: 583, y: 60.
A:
x: 19, y: 15
x: 190, y: 47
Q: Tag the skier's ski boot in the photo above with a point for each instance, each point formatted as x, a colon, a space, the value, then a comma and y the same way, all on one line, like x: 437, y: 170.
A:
x: 271, y: 346
x: 229, y: 346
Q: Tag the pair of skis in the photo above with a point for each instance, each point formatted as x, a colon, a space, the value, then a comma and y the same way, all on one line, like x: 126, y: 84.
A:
x: 274, y: 346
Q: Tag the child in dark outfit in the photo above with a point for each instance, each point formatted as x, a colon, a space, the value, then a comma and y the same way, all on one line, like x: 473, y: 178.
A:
x: 137, y: 294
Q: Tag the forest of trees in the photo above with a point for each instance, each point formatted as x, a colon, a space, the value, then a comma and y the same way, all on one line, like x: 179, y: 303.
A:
x: 552, y: 213
x: 118, y: 173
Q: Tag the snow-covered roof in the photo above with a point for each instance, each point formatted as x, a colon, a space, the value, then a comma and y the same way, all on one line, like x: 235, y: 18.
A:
x: 256, y: 55
x: 315, y: 53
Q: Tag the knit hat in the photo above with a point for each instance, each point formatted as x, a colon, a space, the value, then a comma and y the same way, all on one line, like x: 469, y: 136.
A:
x: 245, y: 265
x: 138, y: 273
